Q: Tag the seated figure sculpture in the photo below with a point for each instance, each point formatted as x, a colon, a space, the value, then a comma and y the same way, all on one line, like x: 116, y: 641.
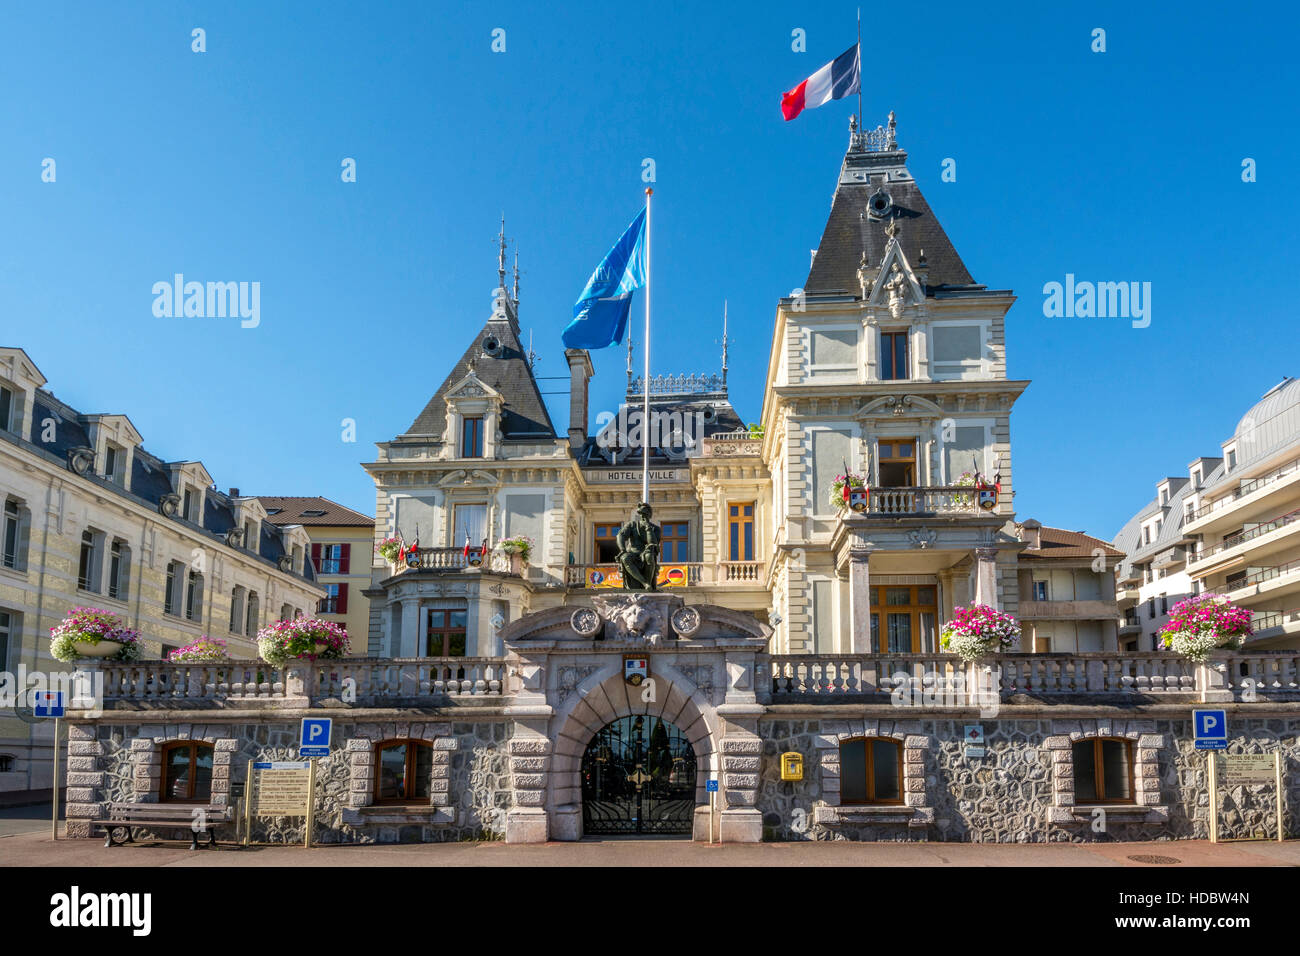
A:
x: 638, y: 551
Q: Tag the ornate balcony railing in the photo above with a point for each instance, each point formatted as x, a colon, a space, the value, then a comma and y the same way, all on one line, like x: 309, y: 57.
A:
x: 933, y: 500
x: 933, y: 681
x: 455, y: 559
x: 600, y: 576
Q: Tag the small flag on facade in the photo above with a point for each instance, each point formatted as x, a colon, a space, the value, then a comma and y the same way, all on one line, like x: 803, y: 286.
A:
x: 837, y: 79
x: 600, y: 314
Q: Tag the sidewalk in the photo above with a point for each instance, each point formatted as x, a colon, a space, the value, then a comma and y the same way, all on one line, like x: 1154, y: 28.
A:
x: 35, y: 848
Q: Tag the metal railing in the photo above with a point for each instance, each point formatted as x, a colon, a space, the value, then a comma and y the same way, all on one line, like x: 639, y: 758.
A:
x: 1247, y: 488
x: 1247, y: 535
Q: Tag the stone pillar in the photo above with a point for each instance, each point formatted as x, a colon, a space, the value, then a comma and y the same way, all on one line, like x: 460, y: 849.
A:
x: 408, y: 642
x: 530, y: 759
x: 860, y: 600
x: 986, y: 576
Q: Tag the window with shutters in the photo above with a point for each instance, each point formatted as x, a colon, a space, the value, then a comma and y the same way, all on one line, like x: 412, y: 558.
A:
x: 332, y: 558
x: 119, y: 569
x: 254, y: 617
x: 335, y: 600
x: 172, y: 589
x: 194, y: 597
x: 15, y: 533
x: 237, y: 610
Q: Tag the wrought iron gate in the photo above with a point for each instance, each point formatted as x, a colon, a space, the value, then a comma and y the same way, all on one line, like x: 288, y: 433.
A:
x: 638, y: 776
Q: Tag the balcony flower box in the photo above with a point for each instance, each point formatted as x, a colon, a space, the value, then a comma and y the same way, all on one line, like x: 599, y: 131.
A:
x: 519, y: 548
x: 89, y: 632
x: 978, y: 631
x: 305, y: 638
x: 1203, y: 624
x: 205, y: 649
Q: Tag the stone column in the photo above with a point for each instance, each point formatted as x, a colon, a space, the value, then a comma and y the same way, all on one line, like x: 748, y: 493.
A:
x: 860, y: 599
x: 986, y: 577
x: 408, y: 642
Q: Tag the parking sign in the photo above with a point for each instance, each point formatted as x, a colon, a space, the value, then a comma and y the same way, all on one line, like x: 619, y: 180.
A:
x: 315, y: 740
x: 1210, y: 728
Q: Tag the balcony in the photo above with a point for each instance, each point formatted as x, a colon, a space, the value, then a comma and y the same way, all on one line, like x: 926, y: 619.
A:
x: 1247, y: 488
x: 932, y: 501
x: 1267, y: 579
x: 692, y: 574
x: 1066, y: 610
x: 455, y: 559
x: 1263, y: 528
x: 1270, y: 624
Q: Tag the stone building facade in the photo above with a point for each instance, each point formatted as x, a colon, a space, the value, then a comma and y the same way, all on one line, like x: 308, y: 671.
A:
x: 91, y: 518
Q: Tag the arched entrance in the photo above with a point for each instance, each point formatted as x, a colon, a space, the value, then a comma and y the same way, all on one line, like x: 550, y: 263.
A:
x: 638, y: 776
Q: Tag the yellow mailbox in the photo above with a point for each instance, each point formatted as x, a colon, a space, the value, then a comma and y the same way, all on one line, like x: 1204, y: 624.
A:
x: 791, y: 766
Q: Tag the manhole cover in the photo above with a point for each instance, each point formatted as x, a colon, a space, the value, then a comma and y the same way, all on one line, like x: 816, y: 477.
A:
x: 1151, y: 858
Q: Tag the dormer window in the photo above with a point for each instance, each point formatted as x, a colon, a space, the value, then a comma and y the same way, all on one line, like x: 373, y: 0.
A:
x: 1164, y: 497
x: 6, y: 408
x: 1232, y: 459
x: 250, y: 536
x: 471, y: 438
x: 189, y: 505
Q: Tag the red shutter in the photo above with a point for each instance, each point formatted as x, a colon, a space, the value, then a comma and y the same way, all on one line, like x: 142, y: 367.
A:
x: 315, y: 558
x: 345, y: 551
x: 342, y: 605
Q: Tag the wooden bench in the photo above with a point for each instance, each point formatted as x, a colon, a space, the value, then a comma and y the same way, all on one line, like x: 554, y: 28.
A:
x: 123, y: 818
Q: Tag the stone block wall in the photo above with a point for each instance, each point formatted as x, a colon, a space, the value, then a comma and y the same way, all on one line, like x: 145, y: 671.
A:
x: 1022, y: 790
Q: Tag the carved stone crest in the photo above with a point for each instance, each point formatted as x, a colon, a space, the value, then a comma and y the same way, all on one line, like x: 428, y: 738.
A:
x: 586, y: 622
x: 685, y: 621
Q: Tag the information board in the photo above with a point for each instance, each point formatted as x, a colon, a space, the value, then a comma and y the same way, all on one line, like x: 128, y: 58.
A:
x: 282, y: 789
x: 1247, y: 769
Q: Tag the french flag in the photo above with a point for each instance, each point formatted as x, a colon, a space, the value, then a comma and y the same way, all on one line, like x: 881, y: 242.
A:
x: 837, y: 79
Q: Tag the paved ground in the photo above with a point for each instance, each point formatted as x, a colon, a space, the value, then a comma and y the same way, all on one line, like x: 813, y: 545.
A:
x: 33, y: 847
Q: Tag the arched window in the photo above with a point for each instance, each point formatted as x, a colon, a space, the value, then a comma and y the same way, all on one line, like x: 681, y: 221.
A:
x: 403, y: 771
x: 1103, y: 770
x: 871, y: 771
x: 186, y: 772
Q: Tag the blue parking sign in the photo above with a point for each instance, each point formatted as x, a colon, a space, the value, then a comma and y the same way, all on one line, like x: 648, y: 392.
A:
x: 47, y: 703
x: 711, y: 786
x: 315, y: 740
x: 1210, y: 729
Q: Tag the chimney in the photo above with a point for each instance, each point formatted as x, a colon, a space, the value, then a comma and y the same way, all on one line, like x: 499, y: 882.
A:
x: 234, y: 492
x: 1031, y: 532
x: 580, y: 372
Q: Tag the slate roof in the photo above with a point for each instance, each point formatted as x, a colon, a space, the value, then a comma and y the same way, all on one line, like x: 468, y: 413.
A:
x: 150, y: 480
x: 1062, y: 544
x: 849, y: 230
x: 523, y: 416
x: 291, y: 510
x: 724, y: 419
x: 1129, y: 539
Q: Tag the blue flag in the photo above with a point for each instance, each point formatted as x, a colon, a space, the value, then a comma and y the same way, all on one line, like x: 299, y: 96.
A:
x: 600, y: 314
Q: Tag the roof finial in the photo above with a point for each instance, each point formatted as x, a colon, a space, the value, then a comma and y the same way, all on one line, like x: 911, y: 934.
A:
x: 501, y: 256
x: 516, y: 291
x: 629, y: 358
x: 724, y: 344
x: 893, y: 131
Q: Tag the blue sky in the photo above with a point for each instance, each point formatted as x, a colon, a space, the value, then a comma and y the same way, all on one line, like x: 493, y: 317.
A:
x: 225, y: 165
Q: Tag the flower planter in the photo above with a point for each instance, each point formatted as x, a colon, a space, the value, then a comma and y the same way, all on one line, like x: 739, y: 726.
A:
x: 517, y: 564
x: 102, y: 649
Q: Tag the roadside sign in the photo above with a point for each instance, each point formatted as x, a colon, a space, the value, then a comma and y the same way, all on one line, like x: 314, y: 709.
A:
x: 1248, y: 769
x: 47, y: 703
x: 975, y: 753
x: 315, y: 741
x: 280, y: 788
x: 711, y: 786
x: 282, y: 765
x: 1210, y: 729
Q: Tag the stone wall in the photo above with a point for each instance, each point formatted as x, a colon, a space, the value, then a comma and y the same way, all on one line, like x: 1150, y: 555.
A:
x: 1022, y: 790
x: 120, y: 761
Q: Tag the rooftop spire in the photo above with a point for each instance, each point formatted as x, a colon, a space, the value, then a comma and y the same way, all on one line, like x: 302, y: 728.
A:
x: 724, y: 344
x: 501, y: 256
x: 516, y: 292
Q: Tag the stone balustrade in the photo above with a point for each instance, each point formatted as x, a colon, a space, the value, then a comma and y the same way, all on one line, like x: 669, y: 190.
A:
x: 938, y: 680
x: 935, y: 500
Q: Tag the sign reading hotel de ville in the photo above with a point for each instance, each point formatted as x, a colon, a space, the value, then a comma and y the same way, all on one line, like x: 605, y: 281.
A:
x: 633, y: 475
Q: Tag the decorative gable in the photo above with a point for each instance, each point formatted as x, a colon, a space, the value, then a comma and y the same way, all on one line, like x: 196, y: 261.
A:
x: 894, y: 287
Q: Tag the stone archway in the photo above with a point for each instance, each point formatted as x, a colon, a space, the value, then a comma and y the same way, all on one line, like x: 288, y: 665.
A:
x: 605, y: 698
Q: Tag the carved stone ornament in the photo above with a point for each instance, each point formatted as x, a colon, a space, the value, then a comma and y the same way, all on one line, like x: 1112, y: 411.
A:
x: 81, y: 459
x: 235, y: 537
x: 168, y: 505
x: 685, y: 621
x: 636, y: 617
x: 922, y: 537
x: 285, y: 563
x: 586, y: 622
x: 896, y: 286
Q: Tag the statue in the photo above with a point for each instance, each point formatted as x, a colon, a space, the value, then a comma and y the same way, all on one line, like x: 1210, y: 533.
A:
x: 638, y: 551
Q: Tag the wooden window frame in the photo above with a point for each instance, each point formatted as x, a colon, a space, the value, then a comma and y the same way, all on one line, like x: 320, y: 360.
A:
x: 665, y: 538
x: 914, y: 609
x: 597, y: 538
x: 13, y: 527
x: 869, y: 769
x: 881, y: 461
x: 193, y: 745
x: 1099, y: 772
x: 887, y: 355
x: 447, y: 630
x: 738, y: 548
x: 408, y: 773
x: 473, y: 429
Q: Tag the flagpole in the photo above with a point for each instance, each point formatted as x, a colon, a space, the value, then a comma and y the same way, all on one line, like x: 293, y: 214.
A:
x: 861, y: 125
x: 645, y: 381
